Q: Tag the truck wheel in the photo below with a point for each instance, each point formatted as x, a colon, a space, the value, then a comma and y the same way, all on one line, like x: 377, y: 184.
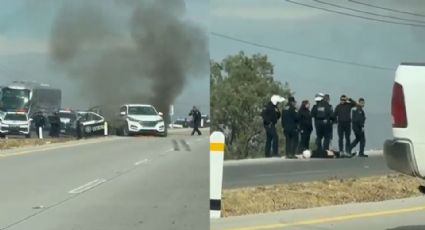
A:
x: 422, y: 189
x: 28, y: 136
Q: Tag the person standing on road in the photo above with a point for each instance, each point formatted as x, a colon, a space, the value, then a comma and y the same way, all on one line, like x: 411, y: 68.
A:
x: 55, y: 125
x: 196, y: 117
x: 322, y: 114
x: 343, y: 117
x: 306, y: 125
x: 39, y: 122
x: 78, y: 127
x: 359, y: 119
x: 329, y: 129
x: 290, y: 128
x: 271, y: 115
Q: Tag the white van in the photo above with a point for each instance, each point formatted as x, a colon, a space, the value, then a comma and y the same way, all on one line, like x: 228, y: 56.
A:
x: 405, y: 153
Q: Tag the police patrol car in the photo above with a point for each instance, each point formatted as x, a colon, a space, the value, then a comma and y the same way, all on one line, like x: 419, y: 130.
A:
x: 90, y: 124
x: 68, y: 120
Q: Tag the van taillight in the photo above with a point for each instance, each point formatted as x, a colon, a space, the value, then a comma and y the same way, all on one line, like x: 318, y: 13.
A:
x: 398, y: 107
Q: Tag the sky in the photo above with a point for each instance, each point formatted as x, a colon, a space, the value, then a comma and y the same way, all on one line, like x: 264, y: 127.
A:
x: 24, y: 35
x: 299, y: 28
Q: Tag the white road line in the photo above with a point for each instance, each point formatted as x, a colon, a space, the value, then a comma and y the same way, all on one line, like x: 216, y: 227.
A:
x: 141, y: 162
x: 87, y: 186
x: 291, y: 173
x: 170, y: 150
x: 55, y: 146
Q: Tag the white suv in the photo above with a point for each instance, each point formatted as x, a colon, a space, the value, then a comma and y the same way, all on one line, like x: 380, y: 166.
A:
x: 406, y: 152
x: 140, y: 119
x: 15, y: 123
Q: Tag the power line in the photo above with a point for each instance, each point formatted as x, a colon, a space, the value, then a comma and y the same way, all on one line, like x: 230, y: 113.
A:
x: 354, y: 15
x: 385, y: 8
x: 368, y: 12
x: 302, y: 54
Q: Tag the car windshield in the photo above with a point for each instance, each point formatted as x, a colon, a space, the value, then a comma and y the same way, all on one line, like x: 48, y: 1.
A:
x: 15, y: 117
x: 14, y: 99
x: 141, y: 110
x: 71, y: 116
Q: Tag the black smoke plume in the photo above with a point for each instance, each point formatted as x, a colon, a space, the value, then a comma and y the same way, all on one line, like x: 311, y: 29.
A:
x: 128, y: 51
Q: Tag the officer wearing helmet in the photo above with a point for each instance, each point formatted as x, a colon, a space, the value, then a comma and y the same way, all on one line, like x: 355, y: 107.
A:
x: 322, y: 115
x: 271, y: 115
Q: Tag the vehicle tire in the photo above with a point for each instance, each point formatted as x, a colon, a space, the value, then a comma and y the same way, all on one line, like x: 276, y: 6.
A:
x: 422, y: 189
x: 28, y: 136
x: 164, y: 134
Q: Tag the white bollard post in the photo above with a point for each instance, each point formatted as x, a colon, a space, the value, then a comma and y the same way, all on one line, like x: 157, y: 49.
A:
x: 40, y: 132
x: 216, y: 173
x: 202, y: 122
x: 106, y: 128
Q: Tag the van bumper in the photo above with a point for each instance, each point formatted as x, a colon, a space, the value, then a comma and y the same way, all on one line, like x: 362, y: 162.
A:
x: 399, y: 155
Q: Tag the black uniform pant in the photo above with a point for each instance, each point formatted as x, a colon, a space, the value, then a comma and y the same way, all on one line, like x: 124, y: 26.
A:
x: 360, y: 138
x: 322, y: 133
x: 305, y: 140
x: 344, y: 130
x: 271, y: 140
x: 291, y: 145
x: 54, y: 130
x: 196, y: 128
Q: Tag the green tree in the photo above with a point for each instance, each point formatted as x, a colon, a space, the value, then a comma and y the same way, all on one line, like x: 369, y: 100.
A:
x: 240, y: 87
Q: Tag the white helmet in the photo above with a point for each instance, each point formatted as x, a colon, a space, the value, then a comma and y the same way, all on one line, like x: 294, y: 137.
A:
x: 307, y: 154
x: 276, y: 99
x: 319, y: 96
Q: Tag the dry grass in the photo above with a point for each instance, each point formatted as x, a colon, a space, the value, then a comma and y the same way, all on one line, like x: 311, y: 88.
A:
x: 265, y: 199
x: 21, y: 142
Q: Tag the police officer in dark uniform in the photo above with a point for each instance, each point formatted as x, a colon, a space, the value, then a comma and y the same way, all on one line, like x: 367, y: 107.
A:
x: 290, y: 128
x: 306, y: 125
x: 329, y: 130
x: 196, y: 115
x: 322, y: 114
x: 54, y: 125
x: 359, y: 119
x: 343, y: 117
x: 78, y: 127
x: 39, y: 121
x: 271, y: 115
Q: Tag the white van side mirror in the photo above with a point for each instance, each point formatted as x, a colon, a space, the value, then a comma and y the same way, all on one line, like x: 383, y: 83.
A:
x: 161, y: 114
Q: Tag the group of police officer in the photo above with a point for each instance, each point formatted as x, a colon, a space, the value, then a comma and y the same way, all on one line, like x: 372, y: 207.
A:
x: 55, y: 124
x: 298, y: 124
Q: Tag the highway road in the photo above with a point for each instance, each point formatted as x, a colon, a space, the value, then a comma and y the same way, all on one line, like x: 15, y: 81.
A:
x: 404, y: 214
x: 107, y: 184
x: 255, y: 172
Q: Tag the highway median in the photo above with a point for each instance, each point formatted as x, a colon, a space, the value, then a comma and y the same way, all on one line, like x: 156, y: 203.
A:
x: 21, y: 142
x: 334, y: 191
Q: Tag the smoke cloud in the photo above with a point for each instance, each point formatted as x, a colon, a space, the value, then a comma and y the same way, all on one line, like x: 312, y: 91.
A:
x: 129, y: 51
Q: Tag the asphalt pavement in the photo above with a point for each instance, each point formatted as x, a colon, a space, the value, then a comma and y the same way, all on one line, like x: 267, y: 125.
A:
x: 107, y: 183
x: 404, y: 214
x: 257, y: 172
